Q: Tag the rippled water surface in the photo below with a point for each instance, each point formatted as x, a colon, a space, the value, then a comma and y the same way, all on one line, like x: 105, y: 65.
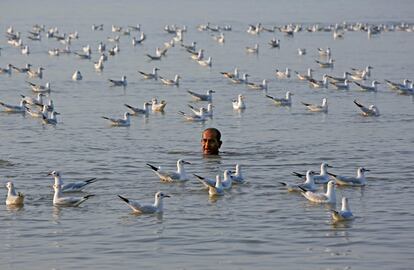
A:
x: 257, y: 225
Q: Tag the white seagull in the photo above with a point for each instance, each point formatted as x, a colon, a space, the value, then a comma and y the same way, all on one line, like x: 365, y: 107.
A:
x: 77, y: 76
x: 239, y: 104
x: 38, y: 88
x: 15, y: 108
x: 345, y: 213
x: 207, y: 112
x: 77, y: 186
x: 200, y: 117
x: 254, y: 49
x: 158, y: 106
x: 317, y: 108
x: 322, y: 178
x: 157, y: 207
x: 357, y: 181
x: 59, y: 200
x: 137, y: 111
x: 287, y: 101
x: 308, y: 185
x: 283, y: 74
x: 328, y: 197
x: 152, y: 76
x: 122, y: 82
x: 372, y: 88
x: 179, y: 176
x: 215, y: 189
x: 13, y: 197
x: 52, y: 120
x: 372, y: 110
x: 175, y: 82
x: 237, y: 176
x: 125, y: 122
x: 202, y: 97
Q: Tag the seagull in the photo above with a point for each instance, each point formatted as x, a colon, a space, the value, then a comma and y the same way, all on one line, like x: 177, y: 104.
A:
x: 202, y: 97
x: 357, y: 181
x: 237, y: 177
x: 219, y: 38
x: 34, y: 101
x: 52, y: 120
x: 322, y: 178
x: 308, y: 185
x: 301, y: 51
x: 344, y: 214
x: 287, y: 101
x: 36, y: 74
x: 98, y: 27
x: 238, y: 104
x: 54, y: 52
x: 25, y: 50
x: 39, y: 88
x: 154, y: 57
x: 207, y: 112
x: 366, y: 71
x: 359, y: 77
x: 13, y: 197
x: 372, y: 88
x: 317, y: 108
x: 137, y: 111
x: 254, y: 49
x: 238, y: 80
x: 38, y: 114
x: 372, y: 110
x: 21, y: 70
x: 83, y: 55
x: 157, y: 207
x: 158, y: 107
x: 305, y: 77
x: 179, y: 176
x: 262, y: 86
x: 15, y: 108
x: 339, y: 79
x: 213, y: 190
x: 229, y: 75
x: 397, y: 86
x: 201, y: 117
x: 324, y: 52
x: 319, y: 83
x: 205, y: 63
x: 153, y: 75
x: 71, y: 187
x: 125, y: 122
x: 328, y: 197
x: 196, y: 55
x: 99, y: 66
x: 283, y: 74
x: 58, y: 200
x: 77, y: 76
x: 122, y: 82
x: 175, y: 82
x: 328, y: 64
x: 191, y: 47
x: 274, y: 43
x: 341, y: 85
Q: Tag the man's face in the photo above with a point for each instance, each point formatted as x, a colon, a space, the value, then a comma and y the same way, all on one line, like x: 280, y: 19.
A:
x: 210, y: 143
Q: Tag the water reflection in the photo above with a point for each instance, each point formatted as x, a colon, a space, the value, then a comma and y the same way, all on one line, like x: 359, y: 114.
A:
x: 15, y: 208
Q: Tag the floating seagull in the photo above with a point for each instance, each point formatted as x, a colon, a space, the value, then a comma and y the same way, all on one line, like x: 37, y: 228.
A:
x: 287, y: 101
x: 77, y: 186
x: 77, y: 76
x: 152, y: 76
x: 226, y: 183
x: 197, y: 55
x: 36, y: 74
x: 158, y: 107
x: 308, y: 185
x: 154, y: 57
x: 201, y: 117
x: 357, y: 181
x: 58, y: 200
x: 237, y: 177
x: 191, y: 47
x: 52, y: 120
x: 396, y: 86
x: 372, y: 110
x: 305, y: 77
x: 40, y: 88
x: 13, y: 197
x: 274, y: 43
x: 344, y: 214
x: 372, y: 88
x: 34, y: 101
x: 240, y: 80
x: 283, y: 74
x: 125, y: 122
x: 301, y: 51
x: 317, y: 108
x: 137, y: 111
x: 202, y: 97
x: 136, y: 28
x: 238, y: 104
x: 207, y: 112
x: 328, y: 197
x: 213, y: 190
x: 328, y: 64
x: 319, y: 83
x: 175, y: 82
x: 15, y: 108
x: 25, y: 50
x: 219, y: 38
x: 324, y: 52
x: 122, y: 82
x: 254, y: 49
x: 179, y: 176
x: 359, y: 77
x: 229, y: 75
x: 83, y: 55
x: 339, y: 79
x: 54, y: 52
x: 205, y: 63
x: 341, y: 85
x: 99, y: 66
x: 157, y: 207
x: 366, y: 71
x: 21, y: 70
x: 38, y: 114
x: 262, y: 86
x: 322, y: 178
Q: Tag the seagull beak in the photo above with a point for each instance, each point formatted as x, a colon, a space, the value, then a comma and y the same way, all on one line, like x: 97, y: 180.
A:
x: 167, y: 196
x: 329, y: 166
x: 186, y: 162
x: 49, y: 173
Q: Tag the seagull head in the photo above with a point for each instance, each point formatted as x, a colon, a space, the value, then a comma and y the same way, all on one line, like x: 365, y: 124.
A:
x: 54, y: 173
x: 160, y: 195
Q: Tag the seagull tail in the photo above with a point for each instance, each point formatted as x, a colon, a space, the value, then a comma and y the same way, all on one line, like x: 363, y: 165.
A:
x: 283, y: 183
x: 123, y: 198
x: 198, y: 176
x: 92, y: 180
x: 358, y: 104
x: 331, y: 174
x: 152, y: 167
x: 88, y: 196
x: 298, y: 174
x: 306, y: 104
x: 129, y: 106
x: 303, y: 189
x: 104, y: 117
x: 268, y: 96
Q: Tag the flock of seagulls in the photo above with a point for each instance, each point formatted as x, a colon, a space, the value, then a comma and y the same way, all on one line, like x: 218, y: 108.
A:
x: 38, y: 107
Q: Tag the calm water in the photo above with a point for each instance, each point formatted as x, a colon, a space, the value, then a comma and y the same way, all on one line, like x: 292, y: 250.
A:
x: 257, y: 225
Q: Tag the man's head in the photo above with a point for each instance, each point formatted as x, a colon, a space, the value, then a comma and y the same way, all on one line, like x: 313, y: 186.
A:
x: 211, y: 141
